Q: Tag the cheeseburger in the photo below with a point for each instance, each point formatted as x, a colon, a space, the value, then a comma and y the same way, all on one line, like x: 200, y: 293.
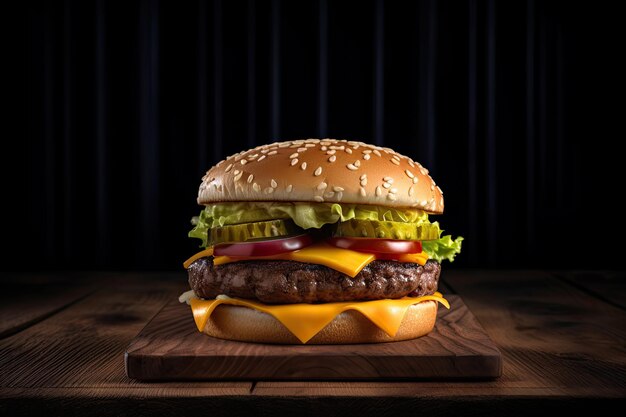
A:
x: 317, y: 241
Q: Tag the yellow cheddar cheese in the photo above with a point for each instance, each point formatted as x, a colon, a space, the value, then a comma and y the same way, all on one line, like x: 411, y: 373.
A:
x: 346, y: 261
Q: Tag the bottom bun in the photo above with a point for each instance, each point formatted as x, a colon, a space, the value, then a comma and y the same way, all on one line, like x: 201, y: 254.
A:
x: 248, y: 325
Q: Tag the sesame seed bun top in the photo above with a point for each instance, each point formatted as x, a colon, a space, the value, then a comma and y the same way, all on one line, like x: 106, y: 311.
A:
x: 322, y: 170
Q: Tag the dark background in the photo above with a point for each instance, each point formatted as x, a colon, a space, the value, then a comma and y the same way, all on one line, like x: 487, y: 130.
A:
x: 122, y: 106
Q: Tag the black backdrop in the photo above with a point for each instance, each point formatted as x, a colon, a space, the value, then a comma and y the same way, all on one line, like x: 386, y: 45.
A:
x: 126, y: 104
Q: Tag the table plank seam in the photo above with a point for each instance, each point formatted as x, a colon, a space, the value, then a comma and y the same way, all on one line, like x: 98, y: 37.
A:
x: 17, y: 329
x: 587, y: 290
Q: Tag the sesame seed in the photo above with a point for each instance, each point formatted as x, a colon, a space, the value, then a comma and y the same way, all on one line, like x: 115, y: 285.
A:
x: 362, y: 177
x: 352, y: 167
x: 220, y: 163
x: 331, y: 152
x: 329, y: 194
x: 386, y: 185
x: 363, y: 182
x: 238, y: 176
x: 289, y: 188
x: 393, y: 190
x: 283, y: 145
x: 378, y: 191
x: 348, y: 150
x: 261, y: 158
x: 376, y: 152
x: 332, y: 158
x: 294, y: 155
x: 264, y: 151
x: 303, y: 166
x: 243, y: 161
x: 228, y: 168
x: 392, y: 197
x: 273, y: 183
x: 357, y: 163
x: 411, y: 190
x: 318, y: 198
x: 321, y: 186
x: 432, y: 187
x: 409, y: 174
x: 301, y: 149
x: 366, y: 151
x: 318, y: 171
x: 362, y: 191
x: 256, y: 187
x: 395, y: 161
x: 424, y: 171
x: 268, y: 190
x: 236, y: 172
x: 415, y: 179
x: 253, y: 156
x: 396, y: 157
x: 309, y: 145
x: 324, y: 148
x: 250, y: 178
x: 366, y: 157
x: 272, y: 153
x: 412, y: 164
x: 388, y: 179
x: 294, y: 161
x: 336, y: 188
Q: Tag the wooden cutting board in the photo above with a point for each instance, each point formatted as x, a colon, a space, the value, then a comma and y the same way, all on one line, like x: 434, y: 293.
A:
x: 170, y: 347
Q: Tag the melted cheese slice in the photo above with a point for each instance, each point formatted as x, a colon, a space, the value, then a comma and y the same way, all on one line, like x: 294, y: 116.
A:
x: 346, y: 261
x: 306, y: 320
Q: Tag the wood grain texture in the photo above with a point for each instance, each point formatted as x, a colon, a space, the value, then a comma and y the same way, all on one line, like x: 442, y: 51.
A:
x: 83, y: 345
x: 170, y: 347
x: 231, y: 402
x: 27, y: 300
x: 551, y: 334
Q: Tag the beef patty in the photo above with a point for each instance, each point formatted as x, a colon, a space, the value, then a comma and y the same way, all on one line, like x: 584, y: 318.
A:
x: 288, y: 282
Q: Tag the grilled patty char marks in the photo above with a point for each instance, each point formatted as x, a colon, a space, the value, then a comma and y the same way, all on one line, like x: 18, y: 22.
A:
x: 290, y: 282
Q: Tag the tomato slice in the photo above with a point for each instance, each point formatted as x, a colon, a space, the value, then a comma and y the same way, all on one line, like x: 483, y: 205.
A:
x: 265, y: 247
x: 377, y: 246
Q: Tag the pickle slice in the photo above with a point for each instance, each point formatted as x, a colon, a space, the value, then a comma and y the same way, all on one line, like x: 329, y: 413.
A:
x: 386, y: 230
x: 254, y: 230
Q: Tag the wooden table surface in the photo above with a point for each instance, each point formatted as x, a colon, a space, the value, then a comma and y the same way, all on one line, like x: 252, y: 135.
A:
x: 562, y: 335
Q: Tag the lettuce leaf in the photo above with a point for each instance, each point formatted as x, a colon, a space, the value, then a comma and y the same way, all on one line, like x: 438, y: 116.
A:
x: 442, y: 248
x: 316, y: 215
